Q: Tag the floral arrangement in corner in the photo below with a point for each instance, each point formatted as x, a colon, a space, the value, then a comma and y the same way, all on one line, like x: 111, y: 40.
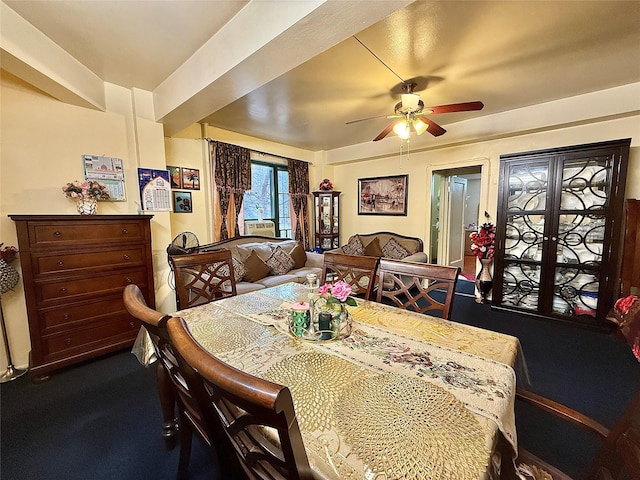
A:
x: 483, y: 241
x: 8, y: 254
x: 326, y: 184
x: 87, y: 190
x: 337, y: 293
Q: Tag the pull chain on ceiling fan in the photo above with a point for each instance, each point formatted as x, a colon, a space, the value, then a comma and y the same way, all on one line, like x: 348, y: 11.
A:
x: 412, y: 112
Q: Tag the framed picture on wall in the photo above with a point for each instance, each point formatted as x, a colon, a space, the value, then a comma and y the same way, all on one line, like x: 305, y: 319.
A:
x: 182, y: 202
x: 190, y: 178
x: 175, y: 176
x: 383, y: 195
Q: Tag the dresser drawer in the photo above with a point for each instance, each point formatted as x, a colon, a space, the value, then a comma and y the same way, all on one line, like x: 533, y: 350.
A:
x: 89, y: 338
x: 74, y: 289
x: 84, y: 232
x: 64, y: 317
x: 78, y: 261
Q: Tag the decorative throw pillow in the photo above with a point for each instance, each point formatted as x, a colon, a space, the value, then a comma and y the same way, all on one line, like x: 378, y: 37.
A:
x: 354, y: 247
x: 238, y: 269
x: 373, y: 248
x: 280, y: 262
x: 394, y: 250
x: 299, y: 256
x: 255, y: 268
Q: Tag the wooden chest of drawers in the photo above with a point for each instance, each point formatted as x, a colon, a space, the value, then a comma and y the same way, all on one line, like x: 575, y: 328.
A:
x: 74, y: 270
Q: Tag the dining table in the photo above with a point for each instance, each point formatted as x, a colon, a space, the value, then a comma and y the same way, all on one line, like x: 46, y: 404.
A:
x: 403, y: 395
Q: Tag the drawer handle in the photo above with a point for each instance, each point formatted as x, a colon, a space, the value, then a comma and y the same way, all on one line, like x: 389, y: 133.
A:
x: 125, y: 231
x: 66, y: 316
x: 57, y: 234
x: 68, y: 341
x: 128, y: 280
x: 127, y: 257
x: 63, y: 289
x: 132, y: 325
x: 60, y: 263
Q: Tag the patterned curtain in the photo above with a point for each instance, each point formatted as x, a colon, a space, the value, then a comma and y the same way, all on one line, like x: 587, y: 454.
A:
x: 299, y: 192
x: 232, y: 176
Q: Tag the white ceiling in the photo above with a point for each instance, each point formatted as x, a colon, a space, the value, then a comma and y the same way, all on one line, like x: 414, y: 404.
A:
x: 506, y: 54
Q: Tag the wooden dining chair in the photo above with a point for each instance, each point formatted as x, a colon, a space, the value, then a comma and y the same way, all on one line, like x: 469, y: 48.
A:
x: 419, y: 287
x: 257, y: 415
x: 619, y: 455
x: 358, y: 271
x: 172, y: 387
x: 203, y: 277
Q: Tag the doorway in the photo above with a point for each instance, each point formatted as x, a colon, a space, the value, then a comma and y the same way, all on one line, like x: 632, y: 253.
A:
x: 455, y: 213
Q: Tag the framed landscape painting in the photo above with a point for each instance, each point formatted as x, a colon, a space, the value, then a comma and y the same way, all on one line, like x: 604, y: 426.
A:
x: 191, y: 178
x: 383, y: 195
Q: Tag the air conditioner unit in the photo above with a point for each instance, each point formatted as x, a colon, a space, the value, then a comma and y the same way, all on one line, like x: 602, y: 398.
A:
x: 266, y: 229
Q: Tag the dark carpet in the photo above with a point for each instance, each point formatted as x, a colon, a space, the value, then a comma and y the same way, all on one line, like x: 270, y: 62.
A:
x: 101, y: 419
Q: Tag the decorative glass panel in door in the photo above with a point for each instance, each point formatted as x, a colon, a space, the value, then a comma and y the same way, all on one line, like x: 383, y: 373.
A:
x: 524, y: 234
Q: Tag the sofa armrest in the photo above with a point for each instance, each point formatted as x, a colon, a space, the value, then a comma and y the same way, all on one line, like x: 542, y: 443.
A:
x: 418, y: 257
x: 314, y: 259
x: 335, y: 250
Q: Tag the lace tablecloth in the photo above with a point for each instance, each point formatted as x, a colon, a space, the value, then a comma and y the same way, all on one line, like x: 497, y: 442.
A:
x: 396, y: 399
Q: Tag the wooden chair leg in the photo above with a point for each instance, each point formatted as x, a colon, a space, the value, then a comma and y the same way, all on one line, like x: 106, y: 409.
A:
x: 167, y: 404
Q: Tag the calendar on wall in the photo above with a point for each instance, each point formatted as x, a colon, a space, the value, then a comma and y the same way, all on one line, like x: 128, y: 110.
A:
x: 108, y: 171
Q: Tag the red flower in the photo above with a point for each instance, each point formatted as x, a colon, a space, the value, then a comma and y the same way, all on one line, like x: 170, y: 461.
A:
x: 484, y: 240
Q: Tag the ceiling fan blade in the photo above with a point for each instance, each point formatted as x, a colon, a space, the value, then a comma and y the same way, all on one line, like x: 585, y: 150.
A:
x: 454, y: 107
x: 433, y: 128
x: 384, y: 132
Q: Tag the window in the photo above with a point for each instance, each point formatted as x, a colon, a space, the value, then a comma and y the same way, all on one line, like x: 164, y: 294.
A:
x: 269, y: 193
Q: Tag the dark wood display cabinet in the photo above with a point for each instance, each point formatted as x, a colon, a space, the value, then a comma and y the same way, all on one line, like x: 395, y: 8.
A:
x: 327, y: 211
x: 558, y: 232
x: 74, y: 271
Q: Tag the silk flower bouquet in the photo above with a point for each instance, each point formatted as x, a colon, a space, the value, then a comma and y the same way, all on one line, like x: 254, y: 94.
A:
x: 483, y: 241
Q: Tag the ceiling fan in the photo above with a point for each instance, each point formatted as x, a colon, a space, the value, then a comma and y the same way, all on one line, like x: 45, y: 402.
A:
x: 412, y: 113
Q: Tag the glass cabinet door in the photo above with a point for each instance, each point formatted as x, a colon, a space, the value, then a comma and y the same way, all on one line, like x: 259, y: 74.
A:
x: 524, y: 235
x: 581, y: 232
x: 327, y: 210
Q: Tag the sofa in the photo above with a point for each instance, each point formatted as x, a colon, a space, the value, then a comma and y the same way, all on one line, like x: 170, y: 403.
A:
x: 260, y: 262
x: 386, y: 245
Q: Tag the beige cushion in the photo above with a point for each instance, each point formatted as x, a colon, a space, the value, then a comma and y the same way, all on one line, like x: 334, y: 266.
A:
x: 373, y: 248
x: 262, y: 249
x: 256, y: 268
x: 394, y: 250
x: 280, y: 262
x: 354, y: 247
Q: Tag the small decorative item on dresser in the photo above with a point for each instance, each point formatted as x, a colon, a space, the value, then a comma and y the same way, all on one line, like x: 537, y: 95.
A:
x: 483, y: 245
x: 326, y: 185
x: 86, y: 194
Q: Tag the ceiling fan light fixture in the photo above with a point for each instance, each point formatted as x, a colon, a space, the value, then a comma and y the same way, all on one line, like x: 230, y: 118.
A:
x: 419, y: 126
x: 402, y: 129
x: 410, y: 101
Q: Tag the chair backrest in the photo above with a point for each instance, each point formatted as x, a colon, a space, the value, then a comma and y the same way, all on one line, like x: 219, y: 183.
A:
x: 257, y: 415
x: 156, y: 324
x: 357, y: 271
x: 203, y: 277
x: 420, y: 287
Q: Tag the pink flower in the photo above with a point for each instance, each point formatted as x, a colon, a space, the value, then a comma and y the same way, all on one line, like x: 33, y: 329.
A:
x: 324, y: 289
x: 341, y: 290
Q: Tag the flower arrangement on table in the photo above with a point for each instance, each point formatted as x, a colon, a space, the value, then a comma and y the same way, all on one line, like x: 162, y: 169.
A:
x: 483, y: 241
x: 326, y: 184
x: 337, y: 293
x: 87, y: 190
